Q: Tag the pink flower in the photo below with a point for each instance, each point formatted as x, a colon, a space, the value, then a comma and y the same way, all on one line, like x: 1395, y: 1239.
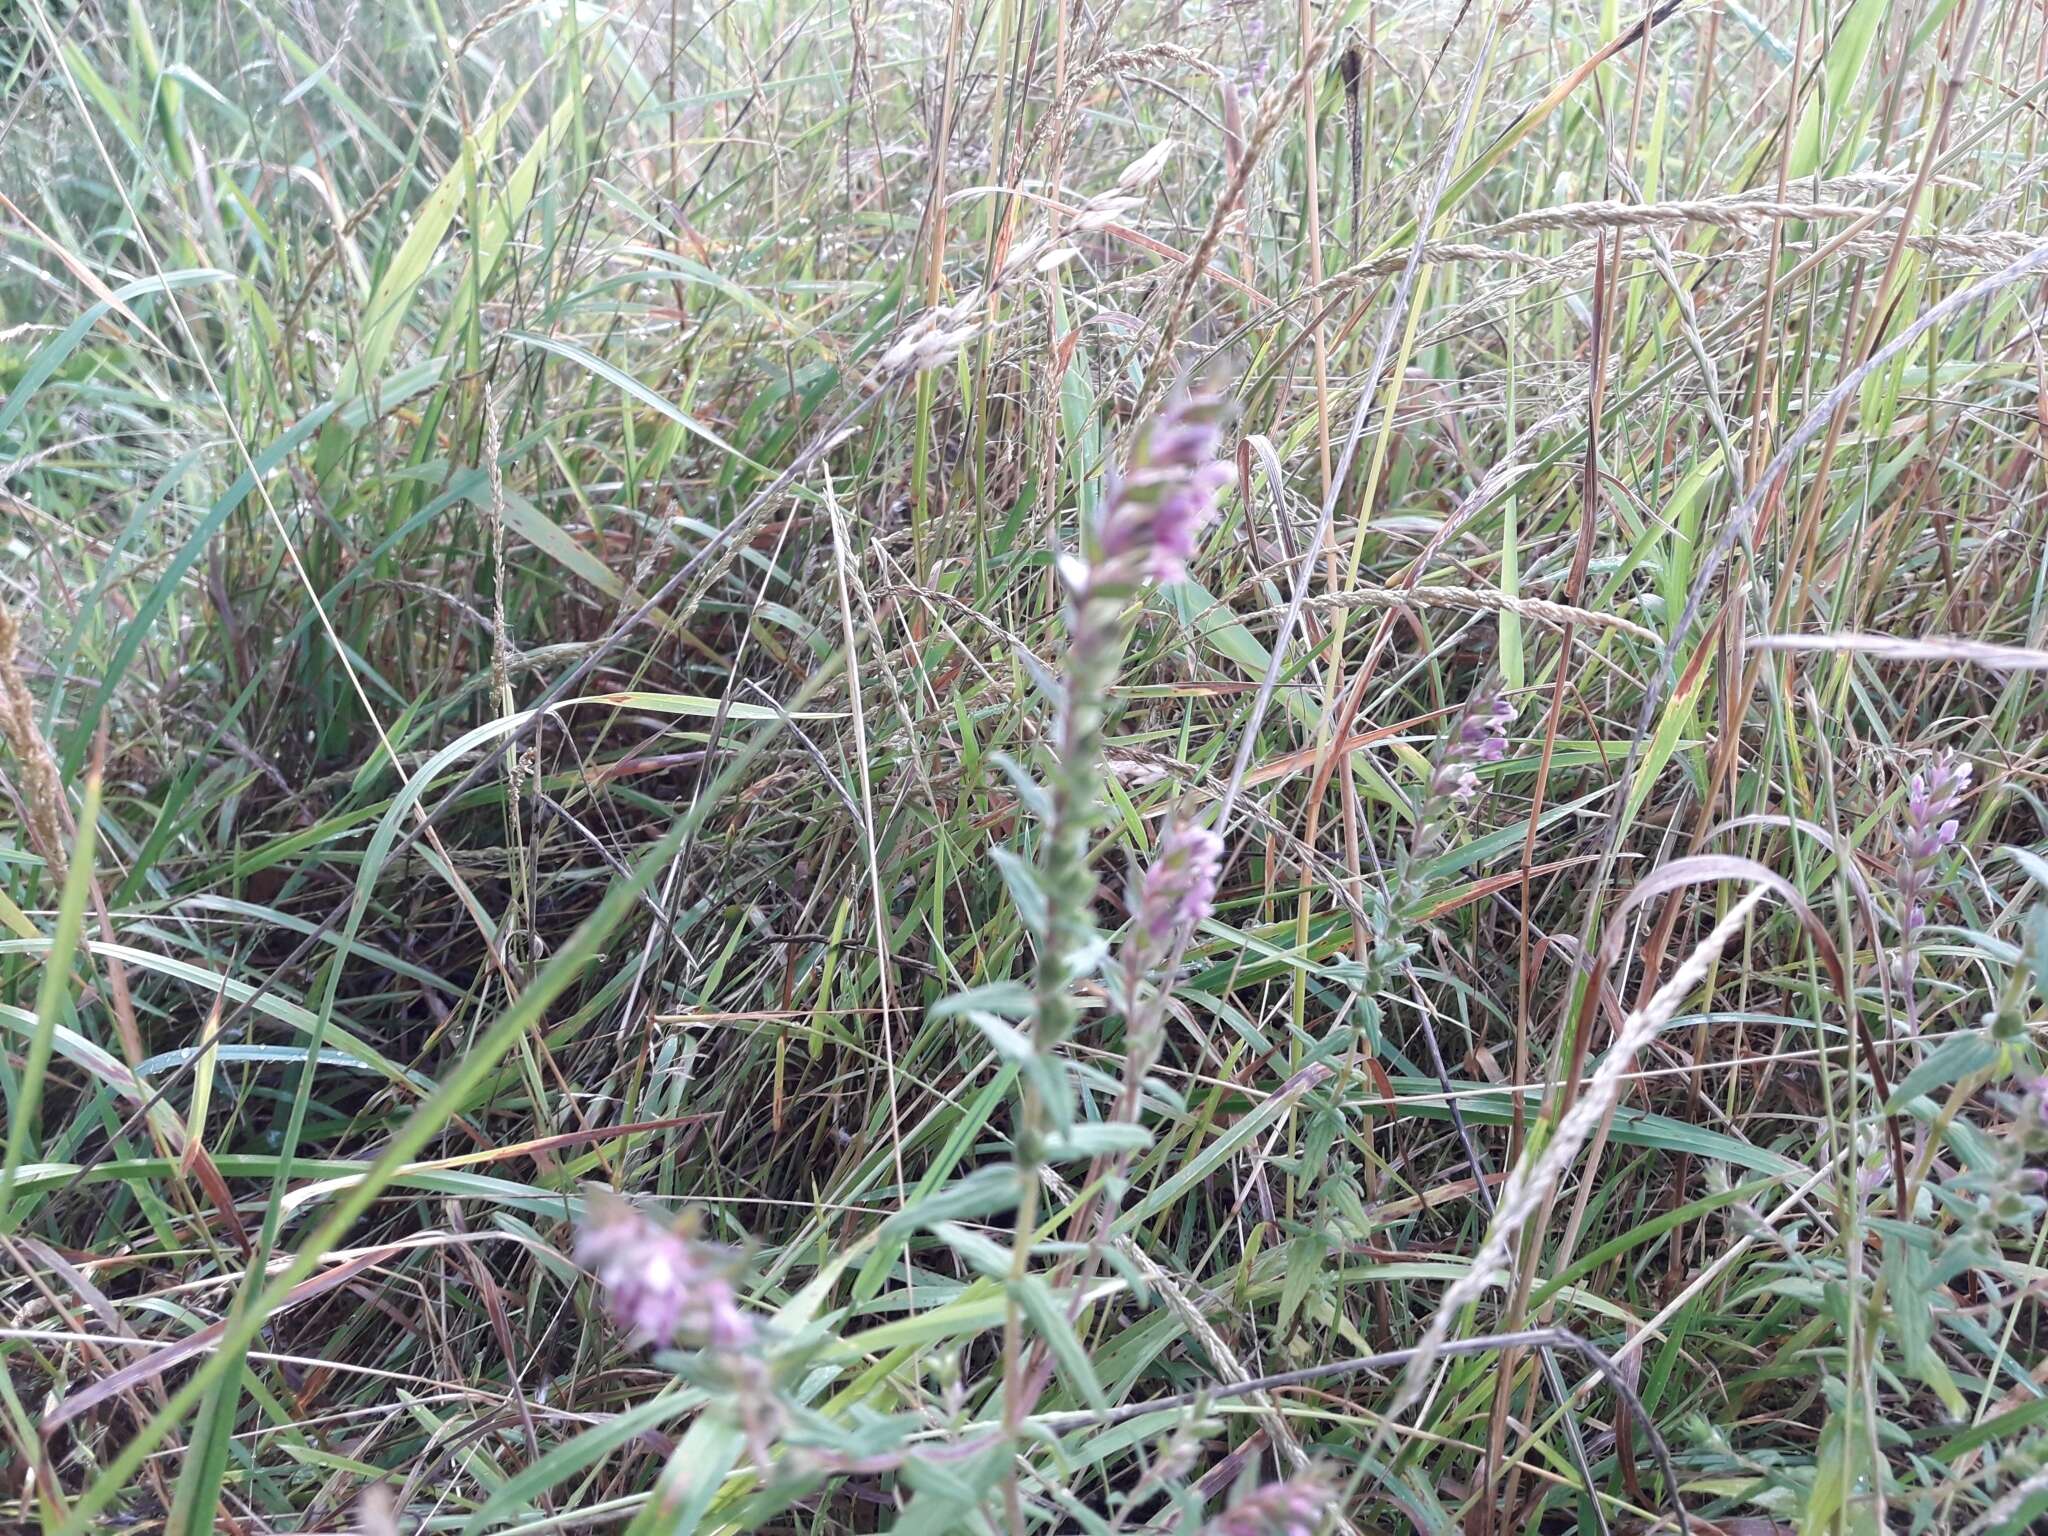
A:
x: 1179, y: 890
x: 662, y: 1287
x: 1483, y: 731
x: 1931, y: 794
x: 1481, y: 737
x: 1928, y: 830
x: 1153, y: 517
x: 1292, y: 1508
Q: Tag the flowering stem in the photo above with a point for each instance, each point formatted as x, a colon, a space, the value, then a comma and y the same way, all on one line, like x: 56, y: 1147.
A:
x: 1152, y: 519
x: 1175, y: 894
x: 1095, y: 647
x: 1069, y: 887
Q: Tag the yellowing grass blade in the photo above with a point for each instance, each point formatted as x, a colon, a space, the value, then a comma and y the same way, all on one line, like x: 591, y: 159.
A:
x: 203, y: 1066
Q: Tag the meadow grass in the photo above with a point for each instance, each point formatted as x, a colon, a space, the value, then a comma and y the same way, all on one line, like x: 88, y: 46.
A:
x: 596, y: 609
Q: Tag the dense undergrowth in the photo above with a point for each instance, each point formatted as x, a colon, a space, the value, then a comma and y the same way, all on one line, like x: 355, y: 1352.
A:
x: 601, y: 614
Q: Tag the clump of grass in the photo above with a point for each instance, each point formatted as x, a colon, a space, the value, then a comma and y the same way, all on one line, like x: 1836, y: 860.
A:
x: 637, y: 581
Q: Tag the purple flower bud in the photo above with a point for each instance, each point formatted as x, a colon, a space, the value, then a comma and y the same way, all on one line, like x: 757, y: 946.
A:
x: 1184, y: 435
x: 662, y: 1287
x: 1179, y: 890
x: 1925, y: 844
x: 1292, y: 1508
x: 1154, y: 514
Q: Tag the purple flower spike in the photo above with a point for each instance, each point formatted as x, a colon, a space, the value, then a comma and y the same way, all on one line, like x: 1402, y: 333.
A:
x: 1481, y: 737
x: 1179, y: 890
x: 1931, y: 794
x: 1929, y: 829
x: 1292, y: 1508
x: 1154, y: 515
x: 662, y: 1287
x: 1483, y: 731
x: 1454, y: 781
